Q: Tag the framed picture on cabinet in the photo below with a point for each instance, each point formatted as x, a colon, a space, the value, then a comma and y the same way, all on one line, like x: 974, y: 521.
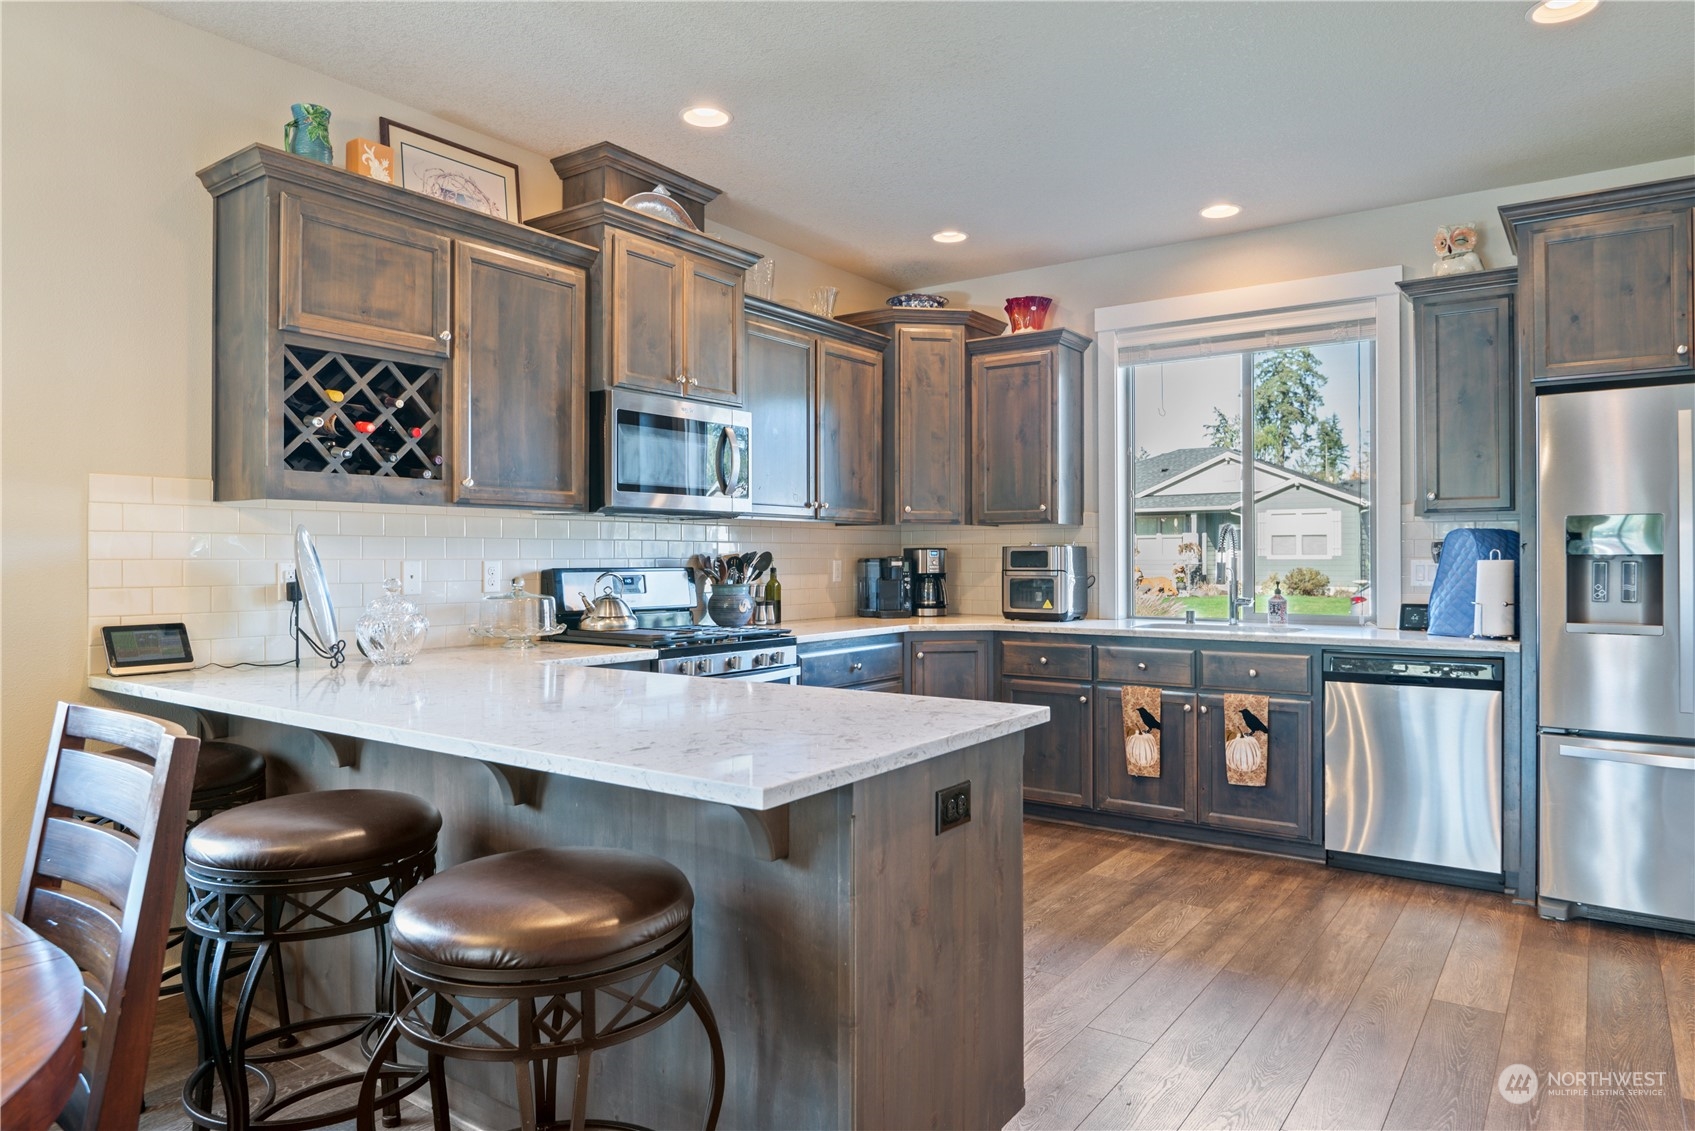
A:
x: 448, y: 171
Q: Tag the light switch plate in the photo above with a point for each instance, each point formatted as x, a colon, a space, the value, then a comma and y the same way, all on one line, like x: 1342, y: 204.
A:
x: 412, y: 577
x: 836, y: 569
x: 1423, y: 573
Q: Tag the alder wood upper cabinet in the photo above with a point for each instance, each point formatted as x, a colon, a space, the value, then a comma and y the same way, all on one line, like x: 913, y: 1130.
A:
x: 926, y: 410
x: 1027, y: 428
x: 815, y: 389
x: 666, y: 299
x: 1605, y: 282
x: 1466, y: 382
x: 376, y: 345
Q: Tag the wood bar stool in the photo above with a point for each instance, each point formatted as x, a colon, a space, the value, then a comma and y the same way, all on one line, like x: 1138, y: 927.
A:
x: 531, y: 956
x: 293, y: 869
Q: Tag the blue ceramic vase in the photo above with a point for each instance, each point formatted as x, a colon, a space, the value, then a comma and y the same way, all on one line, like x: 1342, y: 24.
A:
x: 307, y: 134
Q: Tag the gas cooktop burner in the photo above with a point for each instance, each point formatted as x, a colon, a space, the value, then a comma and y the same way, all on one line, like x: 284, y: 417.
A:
x: 690, y: 637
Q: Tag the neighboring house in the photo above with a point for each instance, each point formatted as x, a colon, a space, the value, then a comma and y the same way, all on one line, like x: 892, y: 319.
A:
x: 1189, y: 494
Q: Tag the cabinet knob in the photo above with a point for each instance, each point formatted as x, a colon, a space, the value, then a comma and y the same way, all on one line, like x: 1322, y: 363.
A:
x: 1043, y: 507
x: 446, y: 335
x: 823, y: 506
x: 1141, y: 665
x: 855, y: 666
x: 1253, y: 673
x: 468, y: 482
x: 908, y: 510
x: 1203, y: 708
x: 1431, y: 495
x: 694, y: 380
x: 1682, y: 351
x: 1082, y: 699
x: 920, y: 655
x: 1187, y: 707
x: 681, y: 379
x: 1042, y: 660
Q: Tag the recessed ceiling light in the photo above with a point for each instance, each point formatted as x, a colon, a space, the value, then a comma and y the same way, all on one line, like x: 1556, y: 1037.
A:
x: 1220, y: 211
x: 707, y: 116
x: 949, y: 236
x: 1560, y: 11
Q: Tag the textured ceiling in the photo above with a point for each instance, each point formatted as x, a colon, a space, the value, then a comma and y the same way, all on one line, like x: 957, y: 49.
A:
x: 1049, y: 131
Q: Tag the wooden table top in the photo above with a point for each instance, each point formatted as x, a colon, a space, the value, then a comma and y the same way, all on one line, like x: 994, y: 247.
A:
x: 40, y: 1027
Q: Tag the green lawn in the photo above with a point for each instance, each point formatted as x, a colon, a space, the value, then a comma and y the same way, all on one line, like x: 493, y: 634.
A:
x: 1213, y: 608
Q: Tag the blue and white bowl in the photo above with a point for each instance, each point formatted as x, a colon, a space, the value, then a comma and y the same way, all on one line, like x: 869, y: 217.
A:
x: 912, y: 300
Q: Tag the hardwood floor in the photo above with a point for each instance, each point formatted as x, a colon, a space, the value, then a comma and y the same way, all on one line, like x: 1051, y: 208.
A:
x: 1168, y: 985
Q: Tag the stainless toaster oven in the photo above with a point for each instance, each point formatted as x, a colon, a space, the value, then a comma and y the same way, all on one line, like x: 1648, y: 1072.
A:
x: 1044, y: 582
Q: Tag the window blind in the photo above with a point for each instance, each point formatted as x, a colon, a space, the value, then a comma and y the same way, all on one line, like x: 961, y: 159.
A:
x: 1278, y: 330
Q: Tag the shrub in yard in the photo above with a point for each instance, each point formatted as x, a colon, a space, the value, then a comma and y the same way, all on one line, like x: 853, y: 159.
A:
x: 1304, y: 581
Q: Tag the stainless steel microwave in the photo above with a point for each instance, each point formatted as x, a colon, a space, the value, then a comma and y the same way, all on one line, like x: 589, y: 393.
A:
x: 1044, y: 583
x: 669, y: 454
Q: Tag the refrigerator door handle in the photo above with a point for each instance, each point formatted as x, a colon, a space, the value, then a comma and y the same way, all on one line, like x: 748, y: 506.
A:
x: 1629, y: 752
x: 1686, y: 557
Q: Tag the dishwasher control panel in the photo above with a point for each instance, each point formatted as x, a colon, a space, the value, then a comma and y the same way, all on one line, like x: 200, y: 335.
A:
x: 1412, y: 669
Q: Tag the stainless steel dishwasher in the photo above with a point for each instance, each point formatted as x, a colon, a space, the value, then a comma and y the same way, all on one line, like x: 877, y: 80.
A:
x: 1412, y: 766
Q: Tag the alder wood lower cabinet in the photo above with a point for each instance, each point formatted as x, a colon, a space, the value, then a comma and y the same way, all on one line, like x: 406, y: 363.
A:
x: 815, y: 389
x: 667, y: 302
x: 926, y: 410
x: 1075, y: 766
x: 375, y: 345
x: 1605, y: 287
x: 950, y: 666
x: 1027, y: 428
x: 876, y: 663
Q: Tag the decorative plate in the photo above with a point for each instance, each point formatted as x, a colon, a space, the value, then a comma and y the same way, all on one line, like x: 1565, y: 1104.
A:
x: 663, y: 205
x: 912, y: 300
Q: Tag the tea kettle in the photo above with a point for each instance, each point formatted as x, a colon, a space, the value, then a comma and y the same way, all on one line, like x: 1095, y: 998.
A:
x: 608, y: 612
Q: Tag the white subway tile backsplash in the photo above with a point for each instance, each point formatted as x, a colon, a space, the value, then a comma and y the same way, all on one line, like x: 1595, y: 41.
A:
x: 105, y: 516
x: 119, y: 544
x: 119, y: 602
x: 120, y: 488
x: 152, y: 517
x: 166, y: 490
x: 104, y: 574
x: 152, y: 572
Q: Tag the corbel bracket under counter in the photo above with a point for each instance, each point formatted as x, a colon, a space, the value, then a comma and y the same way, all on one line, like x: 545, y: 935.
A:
x: 518, y: 785
x: 769, y: 830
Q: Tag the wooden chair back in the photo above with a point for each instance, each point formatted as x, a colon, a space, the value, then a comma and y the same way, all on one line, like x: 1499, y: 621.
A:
x: 99, y: 878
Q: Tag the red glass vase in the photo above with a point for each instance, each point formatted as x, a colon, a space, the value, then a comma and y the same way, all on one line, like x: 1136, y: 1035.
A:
x: 1029, y: 312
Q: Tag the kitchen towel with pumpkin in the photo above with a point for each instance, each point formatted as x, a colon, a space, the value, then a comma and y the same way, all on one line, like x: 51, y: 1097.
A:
x: 1141, y: 731
x: 1247, y: 738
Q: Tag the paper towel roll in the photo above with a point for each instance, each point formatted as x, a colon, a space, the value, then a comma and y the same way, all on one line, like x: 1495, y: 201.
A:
x: 1495, y: 612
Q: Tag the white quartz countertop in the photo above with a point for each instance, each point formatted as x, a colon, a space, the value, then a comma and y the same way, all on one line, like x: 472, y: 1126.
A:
x: 739, y: 742
x: 1326, y: 636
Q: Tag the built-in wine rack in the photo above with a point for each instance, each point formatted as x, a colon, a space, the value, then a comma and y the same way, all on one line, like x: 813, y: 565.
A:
x: 350, y: 415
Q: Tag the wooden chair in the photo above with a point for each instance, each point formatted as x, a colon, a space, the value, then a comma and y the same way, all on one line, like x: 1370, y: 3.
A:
x: 101, y: 890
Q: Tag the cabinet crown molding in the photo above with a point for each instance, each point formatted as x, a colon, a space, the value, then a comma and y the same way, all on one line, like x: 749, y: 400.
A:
x: 285, y: 169
x: 1030, y: 339
x: 587, y: 222
x: 976, y: 323
x: 1678, y: 190
x: 606, y: 155
x: 1491, y: 281
x: 769, y: 311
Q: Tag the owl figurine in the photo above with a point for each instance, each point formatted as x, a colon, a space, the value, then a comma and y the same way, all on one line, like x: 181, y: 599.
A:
x: 1456, y: 250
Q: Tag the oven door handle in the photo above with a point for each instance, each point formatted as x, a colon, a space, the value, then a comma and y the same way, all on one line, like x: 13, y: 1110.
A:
x: 1685, y: 488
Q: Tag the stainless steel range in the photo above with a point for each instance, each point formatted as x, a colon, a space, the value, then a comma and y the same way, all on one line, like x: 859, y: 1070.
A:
x: 663, y: 601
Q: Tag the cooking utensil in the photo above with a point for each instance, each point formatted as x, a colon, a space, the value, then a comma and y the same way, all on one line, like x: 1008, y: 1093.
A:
x: 761, y: 563
x: 609, y: 612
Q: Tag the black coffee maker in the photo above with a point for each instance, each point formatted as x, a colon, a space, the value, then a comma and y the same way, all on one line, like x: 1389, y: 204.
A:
x: 884, y: 588
x: 928, y: 569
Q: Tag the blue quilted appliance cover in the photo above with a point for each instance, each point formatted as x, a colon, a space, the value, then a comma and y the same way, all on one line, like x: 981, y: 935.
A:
x: 1456, y: 577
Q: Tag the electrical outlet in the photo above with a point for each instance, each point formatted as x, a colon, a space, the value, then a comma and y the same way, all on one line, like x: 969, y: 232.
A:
x: 285, y: 574
x: 836, y: 569
x: 1423, y: 573
x: 494, y: 580
x: 412, y: 577
x: 953, y: 806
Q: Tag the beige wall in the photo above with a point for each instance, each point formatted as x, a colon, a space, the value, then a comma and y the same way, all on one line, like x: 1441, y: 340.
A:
x: 107, y: 110
x: 1333, y: 245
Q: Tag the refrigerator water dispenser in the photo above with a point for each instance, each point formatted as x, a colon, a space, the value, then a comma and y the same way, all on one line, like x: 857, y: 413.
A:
x: 1615, y: 573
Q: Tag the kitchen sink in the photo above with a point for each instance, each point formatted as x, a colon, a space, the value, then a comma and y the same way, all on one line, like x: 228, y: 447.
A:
x: 1234, y: 629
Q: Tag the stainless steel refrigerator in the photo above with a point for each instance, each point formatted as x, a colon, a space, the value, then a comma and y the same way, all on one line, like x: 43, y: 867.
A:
x: 1616, y: 711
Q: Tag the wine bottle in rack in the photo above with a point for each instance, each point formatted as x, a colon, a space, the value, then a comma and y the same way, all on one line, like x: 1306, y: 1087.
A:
x: 391, y: 402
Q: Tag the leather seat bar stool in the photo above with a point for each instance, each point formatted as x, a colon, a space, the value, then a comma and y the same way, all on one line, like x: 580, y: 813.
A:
x: 532, y: 956
x: 226, y: 774
x: 293, y: 869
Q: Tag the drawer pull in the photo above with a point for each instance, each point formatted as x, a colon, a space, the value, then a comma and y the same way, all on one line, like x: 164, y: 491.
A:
x: 1042, y: 660
x: 906, y: 510
x: 1082, y: 699
x: 1141, y: 665
x: 920, y: 655
x: 1187, y: 707
x: 855, y: 666
x: 1253, y: 673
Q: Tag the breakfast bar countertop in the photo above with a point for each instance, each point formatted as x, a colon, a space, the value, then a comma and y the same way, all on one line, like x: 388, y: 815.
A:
x: 738, y: 742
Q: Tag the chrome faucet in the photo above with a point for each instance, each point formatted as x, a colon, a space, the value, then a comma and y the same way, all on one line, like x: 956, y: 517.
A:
x: 1229, y: 544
